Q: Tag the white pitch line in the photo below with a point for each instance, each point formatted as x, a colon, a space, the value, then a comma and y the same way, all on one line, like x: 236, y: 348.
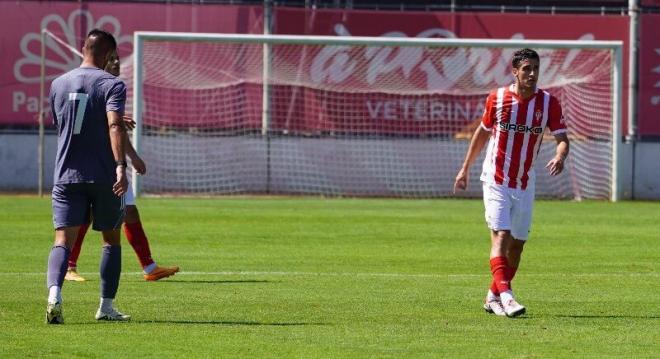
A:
x: 363, y: 274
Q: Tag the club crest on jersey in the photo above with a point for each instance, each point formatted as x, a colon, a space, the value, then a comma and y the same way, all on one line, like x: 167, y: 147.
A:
x: 538, y: 114
x: 504, y: 126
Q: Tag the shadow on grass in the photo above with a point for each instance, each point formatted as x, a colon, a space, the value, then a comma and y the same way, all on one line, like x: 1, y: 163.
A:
x: 223, y: 322
x: 603, y: 316
x: 216, y: 281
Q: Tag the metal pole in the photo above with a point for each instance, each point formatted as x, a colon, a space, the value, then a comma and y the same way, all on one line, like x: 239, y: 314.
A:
x: 633, y: 13
x: 265, y: 109
x: 137, y: 104
x: 617, y: 94
x: 42, y: 110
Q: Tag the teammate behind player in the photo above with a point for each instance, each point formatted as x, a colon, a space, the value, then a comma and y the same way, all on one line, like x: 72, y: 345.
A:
x: 132, y: 225
x: 87, y: 105
x: 514, y: 119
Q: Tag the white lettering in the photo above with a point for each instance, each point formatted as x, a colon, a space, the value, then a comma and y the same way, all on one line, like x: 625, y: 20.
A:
x: 22, y: 102
x: 333, y: 64
x: 424, y: 110
x: 457, y: 69
x: 18, y: 99
x: 389, y: 112
x: 420, y: 111
x: 373, y: 112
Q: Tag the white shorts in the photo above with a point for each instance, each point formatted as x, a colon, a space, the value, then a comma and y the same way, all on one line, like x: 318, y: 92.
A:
x: 129, y: 197
x: 509, y: 209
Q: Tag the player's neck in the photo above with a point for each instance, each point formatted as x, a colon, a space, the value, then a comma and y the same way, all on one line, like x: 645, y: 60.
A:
x: 87, y: 62
x: 523, y: 92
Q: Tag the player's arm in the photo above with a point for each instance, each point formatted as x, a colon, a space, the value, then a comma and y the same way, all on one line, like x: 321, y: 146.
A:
x: 137, y: 162
x: 558, y: 127
x: 477, y: 143
x: 118, y: 141
x: 556, y: 164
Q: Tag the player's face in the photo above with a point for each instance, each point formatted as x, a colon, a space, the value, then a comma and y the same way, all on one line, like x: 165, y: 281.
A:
x: 113, y: 63
x: 527, y: 73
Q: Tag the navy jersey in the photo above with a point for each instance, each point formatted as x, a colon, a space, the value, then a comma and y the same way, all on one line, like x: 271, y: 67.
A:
x: 79, y: 101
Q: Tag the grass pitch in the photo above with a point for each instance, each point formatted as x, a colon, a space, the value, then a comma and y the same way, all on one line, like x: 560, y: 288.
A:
x: 310, y: 277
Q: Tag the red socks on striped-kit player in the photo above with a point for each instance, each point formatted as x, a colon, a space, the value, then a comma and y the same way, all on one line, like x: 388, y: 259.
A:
x: 510, y: 272
x: 138, y: 240
x: 502, y: 275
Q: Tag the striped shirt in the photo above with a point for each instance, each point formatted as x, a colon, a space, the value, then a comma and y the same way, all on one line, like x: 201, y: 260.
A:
x: 517, y: 127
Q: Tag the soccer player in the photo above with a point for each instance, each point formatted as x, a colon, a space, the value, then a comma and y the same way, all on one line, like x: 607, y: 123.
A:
x: 87, y: 104
x: 514, y: 119
x: 132, y: 224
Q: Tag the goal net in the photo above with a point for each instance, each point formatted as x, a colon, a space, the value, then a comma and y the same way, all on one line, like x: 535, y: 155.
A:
x: 355, y: 116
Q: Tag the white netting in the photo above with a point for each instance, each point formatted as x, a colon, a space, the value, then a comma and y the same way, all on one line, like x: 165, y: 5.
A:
x: 353, y: 120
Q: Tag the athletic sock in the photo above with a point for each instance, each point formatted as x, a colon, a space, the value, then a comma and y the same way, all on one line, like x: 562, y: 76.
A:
x: 506, y: 296
x: 510, y: 273
x: 492, y: 296
x: 106, y: 305
x: 138, y: 240
x: 55, y: 294
x: 110, y: 270
x: 57, y: 262
x: 150, y: 268
x: 498, y: 267
x: 75, y: 251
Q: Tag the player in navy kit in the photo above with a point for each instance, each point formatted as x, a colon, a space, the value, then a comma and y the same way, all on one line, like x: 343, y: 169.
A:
x: 87, y: 105
x: 135, y: 234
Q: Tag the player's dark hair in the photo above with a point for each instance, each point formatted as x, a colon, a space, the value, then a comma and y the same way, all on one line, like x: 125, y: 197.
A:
x: 522, y: 55
x: 100, y: 42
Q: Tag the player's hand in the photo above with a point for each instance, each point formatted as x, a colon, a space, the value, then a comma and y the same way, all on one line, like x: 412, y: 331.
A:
x: 129, y: 123
x: 121, y: 186
x: 556, y: 165
x: 139, y: 165
x: 461, y: 180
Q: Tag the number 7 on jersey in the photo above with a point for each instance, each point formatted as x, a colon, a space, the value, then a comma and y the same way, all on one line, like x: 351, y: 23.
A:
x: 80, y: 113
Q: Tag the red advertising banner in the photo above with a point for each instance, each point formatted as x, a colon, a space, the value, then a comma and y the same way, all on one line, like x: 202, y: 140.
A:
x: 649, y: 76
x: 395, y: 113
x: 22, y: 22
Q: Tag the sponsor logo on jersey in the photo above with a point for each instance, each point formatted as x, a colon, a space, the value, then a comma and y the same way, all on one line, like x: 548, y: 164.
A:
x: 521, y: 128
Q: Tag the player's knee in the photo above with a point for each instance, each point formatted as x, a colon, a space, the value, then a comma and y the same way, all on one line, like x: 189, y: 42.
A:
x: 516, y: 245
x: 132, y: 214
x: 111, y: 237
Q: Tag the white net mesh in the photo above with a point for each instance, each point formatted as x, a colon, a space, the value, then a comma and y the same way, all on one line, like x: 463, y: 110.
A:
x: 353, y: 120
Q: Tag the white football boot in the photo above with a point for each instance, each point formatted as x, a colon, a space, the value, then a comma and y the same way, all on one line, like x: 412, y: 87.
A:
x: 494, y: 306
x: 54, y: 313
x: 512, y: 308
x: 114, y: 315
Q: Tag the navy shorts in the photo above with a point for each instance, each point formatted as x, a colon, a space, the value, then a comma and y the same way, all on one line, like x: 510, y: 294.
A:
x: 74, y: 203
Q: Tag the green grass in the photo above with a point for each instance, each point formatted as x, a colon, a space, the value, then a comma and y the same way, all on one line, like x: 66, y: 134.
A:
x: 311, y: 277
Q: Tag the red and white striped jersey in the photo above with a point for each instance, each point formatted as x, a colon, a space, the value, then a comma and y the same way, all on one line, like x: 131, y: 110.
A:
x: 517, y: 127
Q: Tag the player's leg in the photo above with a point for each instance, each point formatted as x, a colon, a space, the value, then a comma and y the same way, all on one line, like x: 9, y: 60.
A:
x: 72, y: 270
x: 137, y: 238
x: 496, y: 204
x: 70, y: 206
x: 108, y: 214
x: 521, y: 219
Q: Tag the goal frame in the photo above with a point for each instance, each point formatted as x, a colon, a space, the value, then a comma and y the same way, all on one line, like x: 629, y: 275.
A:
x: 140, y: 37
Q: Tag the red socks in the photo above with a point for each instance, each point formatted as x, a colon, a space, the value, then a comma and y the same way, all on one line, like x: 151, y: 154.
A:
x: 510, y: 272
x: 502, y: 275
x: 75, y: 251
x: 138, y: 240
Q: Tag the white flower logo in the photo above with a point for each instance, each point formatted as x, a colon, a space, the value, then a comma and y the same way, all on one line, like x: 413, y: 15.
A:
x: 27, y: 69
x: 655, y: 100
